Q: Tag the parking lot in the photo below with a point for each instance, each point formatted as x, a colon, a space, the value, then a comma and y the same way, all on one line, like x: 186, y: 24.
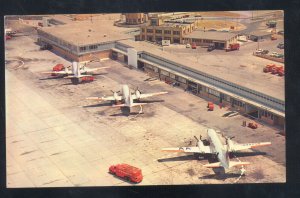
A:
x: 57, y: 138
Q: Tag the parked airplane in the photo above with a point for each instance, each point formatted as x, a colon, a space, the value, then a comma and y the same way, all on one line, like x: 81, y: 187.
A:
x: 75, y: 70
x: 127, y: 97
x: 214, y: 146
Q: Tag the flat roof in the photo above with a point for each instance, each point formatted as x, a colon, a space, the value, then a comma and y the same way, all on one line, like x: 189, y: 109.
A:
x: 211, y: 35
x: 239, y: 77
x: 87, y: 32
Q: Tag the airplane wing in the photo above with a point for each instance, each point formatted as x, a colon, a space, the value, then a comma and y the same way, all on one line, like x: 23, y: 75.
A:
x: 238, y: 147
x: 106, y: 98
x: 147, y: 95
x: 93, y: 69
x: 80, y: 76
x: 205, y: 149
x: 58, y: 72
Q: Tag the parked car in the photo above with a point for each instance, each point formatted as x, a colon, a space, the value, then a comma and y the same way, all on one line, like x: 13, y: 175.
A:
x: 211, y: 47
x: 280, y: 46
x: 258, y: 51
x: 46, y: 47
x: 277, y: 55
x: 265, y: 52
x: 281, y: 32
x: 274, y: 54
x: 188, y: 45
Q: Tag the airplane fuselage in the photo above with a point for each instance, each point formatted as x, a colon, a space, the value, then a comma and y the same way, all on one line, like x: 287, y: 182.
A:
x: 127, y: 96
x: 218, y: 148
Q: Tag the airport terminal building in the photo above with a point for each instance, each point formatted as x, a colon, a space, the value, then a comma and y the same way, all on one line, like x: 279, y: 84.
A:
x: 265, y: 105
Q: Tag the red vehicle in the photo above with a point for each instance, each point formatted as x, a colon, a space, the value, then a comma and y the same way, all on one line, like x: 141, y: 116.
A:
x: 7, y: 37
x: 194, y: 46
x: 233, y: 46
x: 58, y: 67
x: 252, y: 125
x: 276, y: 69
x: 273, y: 37
x: 210, y: 106
x: 127, y: 172
x: 281, y: 72
x: 268, y: 68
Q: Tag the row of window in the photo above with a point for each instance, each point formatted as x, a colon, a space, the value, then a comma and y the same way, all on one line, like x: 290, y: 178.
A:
x: 134, y: 20
x: 266, y: 114
x: 160, y: 31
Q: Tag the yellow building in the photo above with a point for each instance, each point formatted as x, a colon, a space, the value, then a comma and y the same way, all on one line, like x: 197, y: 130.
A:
x: 135, y: 18
x: 166, y: 30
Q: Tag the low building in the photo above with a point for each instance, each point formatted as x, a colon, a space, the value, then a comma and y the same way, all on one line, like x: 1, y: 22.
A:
x: 75, y: 43
x: 259, y: 35
x: 267, y: 105
x: 159, y: 30
x: 221, y: 40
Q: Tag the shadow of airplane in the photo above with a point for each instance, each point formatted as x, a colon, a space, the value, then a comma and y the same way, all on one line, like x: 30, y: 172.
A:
x: 125, y: 114
x: 247, y: 154
x: 52, y: 78
x: 222, y: 176
x: 151, y: 101
x: 98, y: 105
x: 179, y: 158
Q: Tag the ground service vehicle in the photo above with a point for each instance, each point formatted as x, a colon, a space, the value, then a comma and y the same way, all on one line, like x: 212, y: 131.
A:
x: 7, y: 37
x: 268, y: 68
x: 127, y: 172
x: 252, y: 125
x: 58, y: 67
x: 276, y: 69
x: 281, y: 72
x: 273, y: 37
x: 280, y: 46
x: 46, y: 47
x: 194, y: 46
x: 233, y: 46
x: 271, y: 24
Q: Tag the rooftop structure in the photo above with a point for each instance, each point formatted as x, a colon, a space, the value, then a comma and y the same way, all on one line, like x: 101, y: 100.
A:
x: 86, y: 33
x: 274, y: 89
x: 211, y: 35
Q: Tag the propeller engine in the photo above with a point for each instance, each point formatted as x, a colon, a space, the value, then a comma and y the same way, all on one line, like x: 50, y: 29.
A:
x: 137, y: 93
x: 115, y: 94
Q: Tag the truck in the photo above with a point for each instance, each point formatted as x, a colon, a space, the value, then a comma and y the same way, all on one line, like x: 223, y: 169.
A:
x: 271, y: 24
x: 276, y: 69
x: 268, y: 68
x: 126, y: 171
x: 281, y: 72
x: 194, y: 46
x: 58, y: 67
x: 233, y: 46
